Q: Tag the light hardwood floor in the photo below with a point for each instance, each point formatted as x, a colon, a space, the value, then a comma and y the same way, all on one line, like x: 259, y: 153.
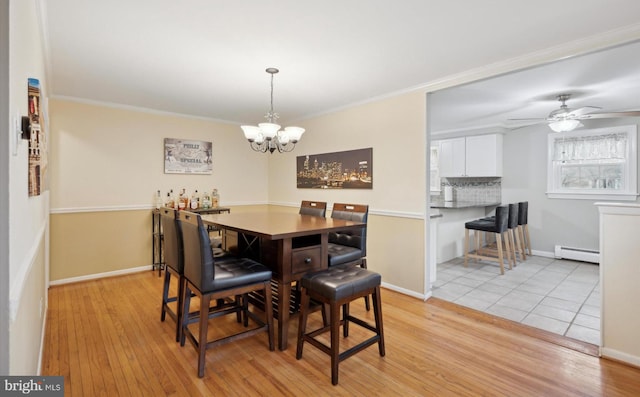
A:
x: 105, y: 337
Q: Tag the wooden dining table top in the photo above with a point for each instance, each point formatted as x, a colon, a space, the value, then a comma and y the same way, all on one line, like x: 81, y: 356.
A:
x: 276, y: 225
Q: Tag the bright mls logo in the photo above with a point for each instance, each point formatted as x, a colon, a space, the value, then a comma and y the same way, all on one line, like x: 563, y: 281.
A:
x: 49, y: 386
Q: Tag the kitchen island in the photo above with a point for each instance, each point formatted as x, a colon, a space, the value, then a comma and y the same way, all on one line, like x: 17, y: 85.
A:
x: 450, y: 228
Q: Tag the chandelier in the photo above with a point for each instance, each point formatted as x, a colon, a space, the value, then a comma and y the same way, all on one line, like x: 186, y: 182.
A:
x: 268, y: 136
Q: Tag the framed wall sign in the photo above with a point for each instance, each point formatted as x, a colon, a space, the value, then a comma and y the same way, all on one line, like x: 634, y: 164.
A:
x: 352, y: 169
x: 187, y: 157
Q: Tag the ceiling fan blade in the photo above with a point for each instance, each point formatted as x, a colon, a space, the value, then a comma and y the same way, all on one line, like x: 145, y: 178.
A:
x: 537, y: 119
x: 632, y: 113
x: 582, y: 110
x: 514, y: 124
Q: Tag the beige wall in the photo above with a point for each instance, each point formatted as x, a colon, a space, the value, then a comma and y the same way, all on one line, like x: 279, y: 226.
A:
x: 106, y: 166
x: 91, y: 243
x: 107, y: 163
x: 395, y: 129
x: 111, y: 158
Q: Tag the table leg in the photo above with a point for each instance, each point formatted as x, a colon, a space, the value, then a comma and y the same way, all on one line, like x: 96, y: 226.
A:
x: 284, y: 292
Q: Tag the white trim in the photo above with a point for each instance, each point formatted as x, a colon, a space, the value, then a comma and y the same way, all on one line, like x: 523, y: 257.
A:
x: 618, y: 208
x: 405, y: 291
x: 102, y: 275
x: 42, y: 337
x: 133, y: 207
x: 607, y: 352
x: 17, y: 287
x: 592, y: 196
x: 544, y: 254
x: 398, y: 214
x: 73, y: 210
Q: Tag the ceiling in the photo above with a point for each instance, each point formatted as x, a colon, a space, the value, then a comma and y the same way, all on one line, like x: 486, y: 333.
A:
x: 207, y: 58
x: 609, y: 79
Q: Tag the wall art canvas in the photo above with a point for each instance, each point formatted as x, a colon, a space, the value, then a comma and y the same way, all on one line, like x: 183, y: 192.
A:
x: 37, y: 140
x: 351, y: 169
x: 187, y: 157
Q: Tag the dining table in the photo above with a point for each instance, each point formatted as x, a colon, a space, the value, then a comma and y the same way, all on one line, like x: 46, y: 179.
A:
x: 288, y: 243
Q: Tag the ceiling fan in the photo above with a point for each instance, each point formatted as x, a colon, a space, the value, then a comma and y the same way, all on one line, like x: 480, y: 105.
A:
x: 567, y: 119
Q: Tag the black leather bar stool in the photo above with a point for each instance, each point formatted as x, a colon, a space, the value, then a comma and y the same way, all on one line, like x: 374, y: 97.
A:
x: 516, y: 244
x: 174, y: 260
x: 499, y: 226
x: 349, y: 247
x: 337, y: 287
x: 211, y: 280
x: 523, y: 225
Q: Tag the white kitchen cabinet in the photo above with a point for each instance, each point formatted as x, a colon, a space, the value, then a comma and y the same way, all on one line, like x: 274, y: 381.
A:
x: 472, y: 156
x: 452, y: 157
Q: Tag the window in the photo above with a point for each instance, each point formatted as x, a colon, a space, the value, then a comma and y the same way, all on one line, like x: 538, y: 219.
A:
x: 593, y: 164
x: 435, y: 168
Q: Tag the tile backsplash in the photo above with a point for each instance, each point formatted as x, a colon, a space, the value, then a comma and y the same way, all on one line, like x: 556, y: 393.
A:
x: 474, y: 189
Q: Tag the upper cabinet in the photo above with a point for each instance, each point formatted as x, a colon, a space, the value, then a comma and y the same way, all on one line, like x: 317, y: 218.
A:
x: 473, y: 156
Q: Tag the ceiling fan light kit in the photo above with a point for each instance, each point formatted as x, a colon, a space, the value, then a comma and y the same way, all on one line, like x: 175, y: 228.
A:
x: 564, y: 125
x: 268, y: 137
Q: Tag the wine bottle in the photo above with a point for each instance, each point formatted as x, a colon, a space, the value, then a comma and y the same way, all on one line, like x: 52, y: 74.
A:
x: 158, y: 200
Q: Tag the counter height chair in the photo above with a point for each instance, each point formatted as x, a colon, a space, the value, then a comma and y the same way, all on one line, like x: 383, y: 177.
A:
x: 337, y: 287
x: 499, y: 226
x: 174, y: 261
x: 517, y: 248
x: 212, y: 280
x: 315, y: 208
x: 349, y: 247
x: 523, y: 225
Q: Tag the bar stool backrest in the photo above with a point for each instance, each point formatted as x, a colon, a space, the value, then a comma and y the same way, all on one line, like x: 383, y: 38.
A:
x: 199, y: 266
x: 172, y: 235
x: 513, y: 216
x: 502, y: 219
x: 353, y: 238
x: 315, y: 208
x: 523, y: 210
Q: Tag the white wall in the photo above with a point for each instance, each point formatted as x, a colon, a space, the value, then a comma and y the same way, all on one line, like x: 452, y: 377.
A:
x: 619, y: 279
x: 4, y: 181
x: 28, y: 216
x: 571, y: 223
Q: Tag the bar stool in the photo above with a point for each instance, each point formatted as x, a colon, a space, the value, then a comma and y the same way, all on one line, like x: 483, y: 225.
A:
x: 174, y: 260
x: 514, y: 234
x: 523, y: 225
x: 499, y: 226
x: 337, y: 287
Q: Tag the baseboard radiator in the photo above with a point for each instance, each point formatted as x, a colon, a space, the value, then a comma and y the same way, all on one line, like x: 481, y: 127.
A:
x: 577, y: 254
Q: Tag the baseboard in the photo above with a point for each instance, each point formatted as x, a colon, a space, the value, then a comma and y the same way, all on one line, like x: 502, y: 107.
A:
x: 616, y: 355
x: 406, y: 291
x: 100, y: 275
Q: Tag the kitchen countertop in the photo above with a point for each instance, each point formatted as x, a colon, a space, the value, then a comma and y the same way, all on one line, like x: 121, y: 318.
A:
x: 439, y: 203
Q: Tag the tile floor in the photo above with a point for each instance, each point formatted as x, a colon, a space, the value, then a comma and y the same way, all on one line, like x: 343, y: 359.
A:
x: 560, y: 296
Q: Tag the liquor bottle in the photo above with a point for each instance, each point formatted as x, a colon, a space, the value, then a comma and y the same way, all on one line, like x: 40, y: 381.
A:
x: 215, y: 199
x: 195, y: 200
x: 205, y: 203
x: 183, y: 200
x: 158, y: 200
x: 169, y: 202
